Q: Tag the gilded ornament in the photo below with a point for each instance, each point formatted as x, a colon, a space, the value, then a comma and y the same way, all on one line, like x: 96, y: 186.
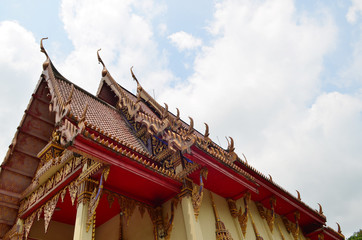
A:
x: 268, y: 215
x: 49, y: 210
x: 39, y: 212
x: 28, y: 223
x: 198, y: 193
x: 62, y: 194
x: 221, y: 232
x: 73, y: 191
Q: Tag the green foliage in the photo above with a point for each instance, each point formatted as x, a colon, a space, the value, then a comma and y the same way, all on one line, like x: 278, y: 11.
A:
x: 356, y: 235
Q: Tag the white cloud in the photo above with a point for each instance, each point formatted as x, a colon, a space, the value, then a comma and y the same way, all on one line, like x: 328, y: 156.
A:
x: 259, y: 82
x: 184, y: 41
x: 20, y: 67
x: 125, y: 34
x: 354, y: 10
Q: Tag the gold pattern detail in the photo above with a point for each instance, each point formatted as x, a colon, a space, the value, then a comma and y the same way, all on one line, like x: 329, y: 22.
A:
x: 268, y: 215
x: 235, y: 213
x: 291, y: 227
x: 198, y: 193
x: 221, y: 232
x: 73, y: 191
x: 95, y: 197
x: 53, y: 181
x: 49, y: 210
x: 243, y: 217
x: 28, y: 223
x: 93, y: 168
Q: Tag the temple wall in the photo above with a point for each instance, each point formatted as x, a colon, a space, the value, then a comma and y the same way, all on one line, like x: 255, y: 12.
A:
x: 179, y: 229
x: 56, y: 231
x: 138, y: 228
x: 108, y: 230
x: 206, y: 221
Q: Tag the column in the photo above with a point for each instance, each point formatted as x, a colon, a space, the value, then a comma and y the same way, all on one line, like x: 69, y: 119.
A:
x: 193, y: 228
x: 81, y: 230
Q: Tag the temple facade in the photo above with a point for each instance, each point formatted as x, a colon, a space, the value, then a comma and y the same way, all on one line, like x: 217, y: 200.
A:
x: 121, y: 166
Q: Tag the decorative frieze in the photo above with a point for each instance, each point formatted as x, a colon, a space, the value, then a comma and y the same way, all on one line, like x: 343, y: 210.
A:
x: 49, y: 185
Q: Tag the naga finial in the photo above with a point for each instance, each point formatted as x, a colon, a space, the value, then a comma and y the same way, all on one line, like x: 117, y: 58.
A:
x: 270, y: 178
x: 42, y: 49
x: 178, y: 113
x: 99, y: 58
x: 231, y: 147
x: 320, y: 209
x: 104, y: 71
x: 134, y: 77
x: 70, y: 95
x: 246, y: 160
x: 206, y: 130
x: 191, y: 128
x: 299, y: 198
x: 165, y: 111
x: 339, y: 228
x: 82, y: 118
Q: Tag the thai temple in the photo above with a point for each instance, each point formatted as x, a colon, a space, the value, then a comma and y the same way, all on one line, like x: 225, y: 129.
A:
x: 121, y: 166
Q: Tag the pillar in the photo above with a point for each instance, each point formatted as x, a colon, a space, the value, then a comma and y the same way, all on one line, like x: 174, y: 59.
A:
x: 81, y: 230
x: 193, y: 228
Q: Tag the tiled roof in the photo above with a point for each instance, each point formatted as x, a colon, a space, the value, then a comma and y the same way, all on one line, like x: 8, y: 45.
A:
x: 99, y: 114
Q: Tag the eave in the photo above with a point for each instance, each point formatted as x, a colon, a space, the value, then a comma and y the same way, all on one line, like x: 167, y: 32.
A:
x: 128, y: 176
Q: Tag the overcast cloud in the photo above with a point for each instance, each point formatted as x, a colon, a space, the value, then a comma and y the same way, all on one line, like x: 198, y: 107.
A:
x: 258, y: 77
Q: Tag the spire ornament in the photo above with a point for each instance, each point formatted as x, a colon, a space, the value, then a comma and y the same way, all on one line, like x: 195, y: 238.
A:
x: 42, y: 49
x: 134, y: 76
x: 320, y: 209
x: 221, y: 232
x: 104, y: 71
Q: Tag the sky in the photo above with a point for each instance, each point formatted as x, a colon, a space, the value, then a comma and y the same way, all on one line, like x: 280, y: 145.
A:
x: 282, y: 77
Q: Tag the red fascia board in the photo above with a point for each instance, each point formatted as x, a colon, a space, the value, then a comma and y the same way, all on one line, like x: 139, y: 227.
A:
x: 91, y: 148
x: 204, y: 159
x: 329, y: 234
x: 290, y: 200
x: 50, y: 194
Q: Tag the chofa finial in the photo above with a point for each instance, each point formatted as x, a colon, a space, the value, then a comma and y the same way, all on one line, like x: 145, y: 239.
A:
x: 320, y: 209
x: 206, y: 135
x: 104, y: 70
x: 134, y: 77
x: 42, y: 49
x: 299, y: 198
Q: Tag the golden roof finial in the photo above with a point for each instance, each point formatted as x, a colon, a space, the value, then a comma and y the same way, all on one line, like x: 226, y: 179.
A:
x: 191, y: 127
x: 104, y: 70
x: 320, y: 209
x: 299, y: 198
x: 206, y: 135
x: 134, y: 77
x: 178, y: 113
x: 339, y: 228
x: 42, y: 49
